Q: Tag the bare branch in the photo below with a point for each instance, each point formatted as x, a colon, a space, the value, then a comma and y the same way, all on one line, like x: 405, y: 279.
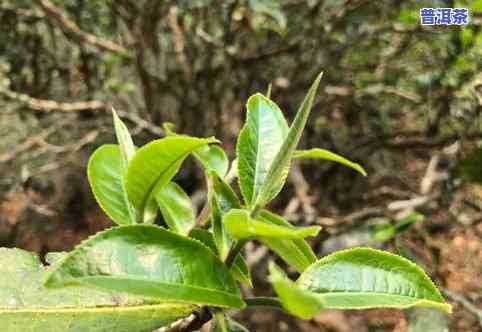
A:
x: 75, y: 33
x: 50, y: 105
x: 80, y: 106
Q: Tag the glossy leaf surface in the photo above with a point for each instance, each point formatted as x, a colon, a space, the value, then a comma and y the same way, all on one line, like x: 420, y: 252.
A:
x: 26, y: 305
x: 277, y: 173
x: 239, y: 269
x: 328, y: 155
x: 149, y: 261
x: 211, y: 157
x: 241, y: 226
x: 176, y: 208
x: 105, y: 177
x: 360, y: 278
x: 154, y: 165
x: 258, y: 142
x: 127, y: 148
x: 295, y: 252
x: 296, y: 300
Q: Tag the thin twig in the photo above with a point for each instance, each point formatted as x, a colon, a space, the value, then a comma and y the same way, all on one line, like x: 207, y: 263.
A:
x: 73, y: 31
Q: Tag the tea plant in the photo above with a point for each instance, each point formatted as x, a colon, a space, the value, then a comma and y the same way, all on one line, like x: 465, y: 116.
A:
x: 138, y: 276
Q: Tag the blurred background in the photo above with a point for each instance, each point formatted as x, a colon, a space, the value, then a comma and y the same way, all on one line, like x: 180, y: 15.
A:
x: 403, y: 100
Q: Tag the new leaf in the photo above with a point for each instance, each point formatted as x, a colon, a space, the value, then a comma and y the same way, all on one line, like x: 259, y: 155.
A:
x: 258, y: 142
x: 276, y: 174
x: 153, y: 166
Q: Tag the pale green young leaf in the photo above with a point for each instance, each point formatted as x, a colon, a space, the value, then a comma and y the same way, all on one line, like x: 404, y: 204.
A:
x: 328, y: 155
x: 211, y: 157
x: 127, y: 148
x: 258, y: 142
x: 149, y: 261
x: 176, y: 208
x: 296, y: 252
x: 222, y: 199
x: 241, y: 226
x: 296, y: 301
x: 104, y: 172
x: 363, y: 278
x: 275, y: 176
x: 239, y: 269
x: 27, y: 306
x: 153, y: 166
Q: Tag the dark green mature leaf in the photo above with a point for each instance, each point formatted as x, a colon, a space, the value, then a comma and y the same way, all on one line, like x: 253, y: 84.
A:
x: 359, y: 278
x: 223, y: 323
x: 105, y: 177
x: 153, y: 166
x: 26, y: 305
x: 176, y: 208
x: 149, y: 261
x: 295, y: 252
x: 258, y: 142
x: 275, y: 176
x: 127, y: 148
x: 328, y: 155
x: 222, y: 199
x: 239, y: 269
x: 241, y: 226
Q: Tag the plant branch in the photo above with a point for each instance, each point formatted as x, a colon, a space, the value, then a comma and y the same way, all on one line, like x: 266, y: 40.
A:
x: 79, y: 106
x: 73, y: 31
x: 50, y: 105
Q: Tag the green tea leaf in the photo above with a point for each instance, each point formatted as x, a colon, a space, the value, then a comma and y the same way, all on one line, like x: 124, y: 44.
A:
x: 211, y: 157
x: 127, y: 148
x: 176, y: 208
x: 361, y: 278
x: 26, y: 305
x: 150, y: 261
x: 295, y: 252
x: 241, y: 226
x: 105, y: 177
x: 222, y: 199
x: 275, y: 176
x: 296, y: 301
x: 153, y: 166
x: 258, y: 142
x: 328, y: 155
x: 239, y: 269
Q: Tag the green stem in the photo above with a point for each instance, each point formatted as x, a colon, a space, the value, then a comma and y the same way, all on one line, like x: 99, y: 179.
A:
x: 273, y: 302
